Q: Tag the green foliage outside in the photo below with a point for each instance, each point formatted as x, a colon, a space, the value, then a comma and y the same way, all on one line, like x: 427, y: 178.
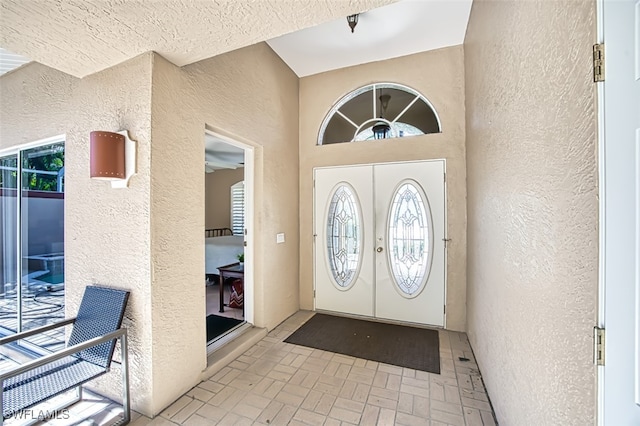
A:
x: 46, y: 158
x: 7, y: 172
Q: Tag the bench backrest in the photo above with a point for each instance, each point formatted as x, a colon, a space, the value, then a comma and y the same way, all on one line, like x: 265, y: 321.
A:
x: 101, y: 312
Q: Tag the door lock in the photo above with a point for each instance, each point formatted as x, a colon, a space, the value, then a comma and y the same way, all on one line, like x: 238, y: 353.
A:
x: 379, y: 249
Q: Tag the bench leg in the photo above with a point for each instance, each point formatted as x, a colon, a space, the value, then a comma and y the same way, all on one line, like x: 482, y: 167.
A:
x: 126, y: 408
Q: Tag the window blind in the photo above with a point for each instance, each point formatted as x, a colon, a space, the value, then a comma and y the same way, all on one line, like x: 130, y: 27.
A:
x: 237, y: 208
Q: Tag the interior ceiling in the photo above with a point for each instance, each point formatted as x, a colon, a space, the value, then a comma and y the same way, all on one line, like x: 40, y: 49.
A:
x: 218, y: 154
x: 398, y: 29
x: 81, y: 37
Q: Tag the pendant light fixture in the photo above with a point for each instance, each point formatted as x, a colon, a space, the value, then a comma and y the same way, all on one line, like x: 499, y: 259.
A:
x: 352, y: 20
x: 382, y: 129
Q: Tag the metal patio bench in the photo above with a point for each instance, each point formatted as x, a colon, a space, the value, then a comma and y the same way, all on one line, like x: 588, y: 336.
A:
x: 88, y: 355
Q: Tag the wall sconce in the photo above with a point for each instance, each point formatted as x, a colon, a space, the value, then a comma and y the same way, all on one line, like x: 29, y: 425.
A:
x: 113, y: 157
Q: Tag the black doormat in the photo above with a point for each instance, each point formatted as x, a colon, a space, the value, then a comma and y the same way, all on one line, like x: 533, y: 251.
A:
x: 217, y: 325
x: 404, y: 346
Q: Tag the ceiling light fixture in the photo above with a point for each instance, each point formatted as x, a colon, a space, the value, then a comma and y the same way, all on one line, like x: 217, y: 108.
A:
x: 352, y: 20
x: 382, y: 129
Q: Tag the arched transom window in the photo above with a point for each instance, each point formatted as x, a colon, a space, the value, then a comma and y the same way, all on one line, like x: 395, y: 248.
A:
x: 379, y: 111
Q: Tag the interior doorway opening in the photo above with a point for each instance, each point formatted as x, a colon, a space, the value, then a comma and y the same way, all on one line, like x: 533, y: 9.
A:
x: 228, y: 218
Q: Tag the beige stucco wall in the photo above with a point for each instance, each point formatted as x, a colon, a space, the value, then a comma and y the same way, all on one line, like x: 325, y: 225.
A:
x: 532, y: 207
x: 249, y: 95
x: 177, y: 230
x: 106, y: 231
x: 439, y: 76
x: 149, y: 238
x: 218, y: 197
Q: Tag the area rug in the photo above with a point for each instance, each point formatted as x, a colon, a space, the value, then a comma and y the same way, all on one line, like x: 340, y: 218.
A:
x: 404, y: 346
x: 217, y: 325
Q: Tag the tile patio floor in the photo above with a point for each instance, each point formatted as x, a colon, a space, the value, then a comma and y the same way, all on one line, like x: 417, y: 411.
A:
x: 40, y: 307
x: 276, y: 383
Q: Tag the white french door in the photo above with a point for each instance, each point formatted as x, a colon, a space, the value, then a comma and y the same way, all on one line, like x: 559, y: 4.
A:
x: 379, y: 241
x: 344, y: 264
x: 410, y: 261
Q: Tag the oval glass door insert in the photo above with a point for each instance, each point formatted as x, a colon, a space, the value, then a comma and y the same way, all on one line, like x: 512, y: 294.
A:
x: 344, y: 236
x: 409, y: 239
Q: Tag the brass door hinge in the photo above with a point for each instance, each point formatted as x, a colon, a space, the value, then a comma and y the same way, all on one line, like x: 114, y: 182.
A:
x: 598, y: 62
x: 598, y: 345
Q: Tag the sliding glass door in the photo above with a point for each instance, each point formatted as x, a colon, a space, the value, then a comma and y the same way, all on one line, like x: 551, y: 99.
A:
x: 32, y: 241
x: 8, y: 244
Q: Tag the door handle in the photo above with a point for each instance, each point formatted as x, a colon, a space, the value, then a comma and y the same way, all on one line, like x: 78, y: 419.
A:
x: 379, y: 249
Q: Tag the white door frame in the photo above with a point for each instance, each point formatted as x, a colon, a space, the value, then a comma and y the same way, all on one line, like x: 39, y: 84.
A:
x: 249, y: 217
x: 601, y: 215
x: 619, y: 241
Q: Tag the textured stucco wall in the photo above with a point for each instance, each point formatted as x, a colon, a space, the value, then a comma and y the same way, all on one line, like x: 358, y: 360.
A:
x: 106, y: 231
x: 218, y: 197
x: 252, y: 95
x: 532, y: 207
x: 439, y: 76
x: 177, y: 240
x: 149, y: 238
